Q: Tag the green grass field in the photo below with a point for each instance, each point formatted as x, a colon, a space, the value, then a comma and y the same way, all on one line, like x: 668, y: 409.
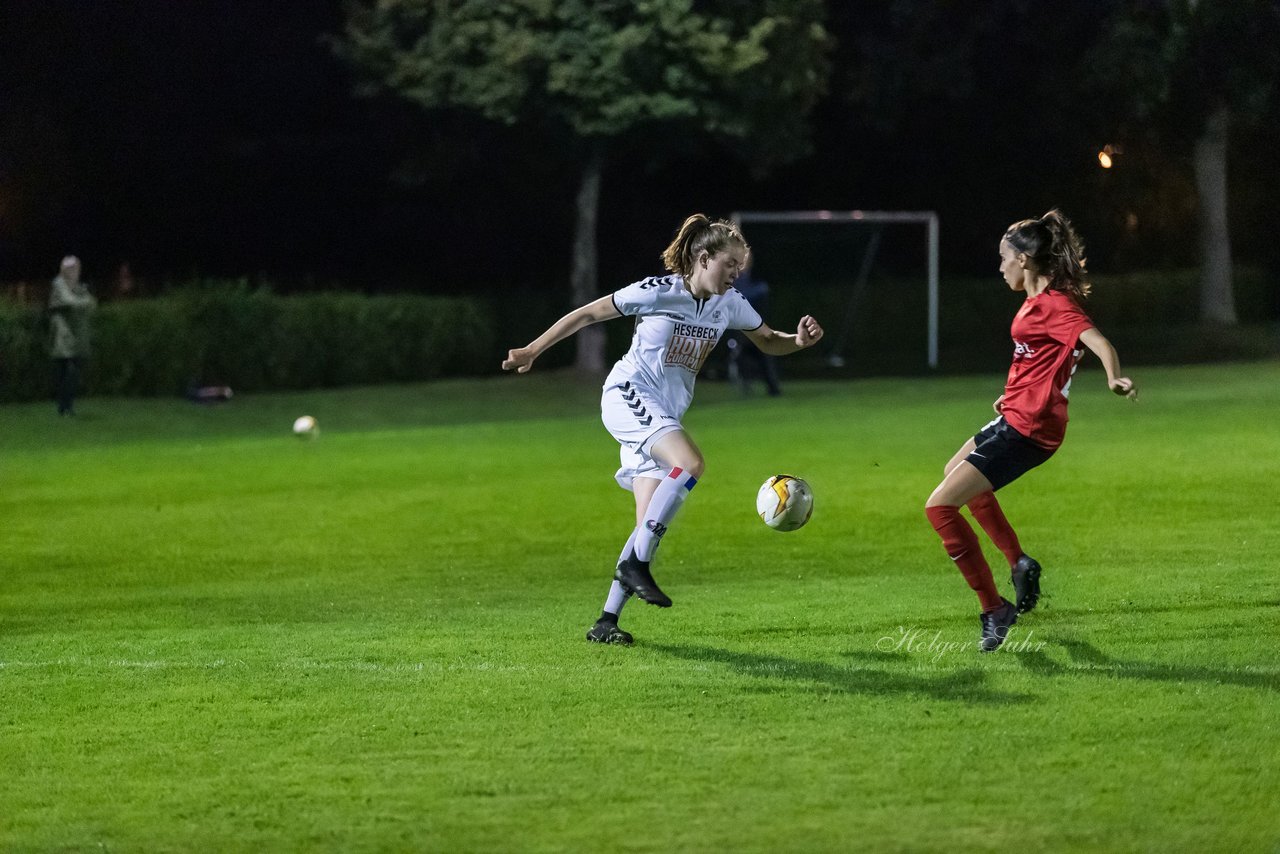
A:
x: 217, y: 637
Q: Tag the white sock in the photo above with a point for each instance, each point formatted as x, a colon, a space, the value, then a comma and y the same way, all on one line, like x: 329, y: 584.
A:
x: 617, y: 596
x: 664, y: 505
x: 616, y: 599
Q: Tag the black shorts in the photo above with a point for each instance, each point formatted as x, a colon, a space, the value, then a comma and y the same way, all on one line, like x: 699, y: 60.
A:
x: 1003, y: 454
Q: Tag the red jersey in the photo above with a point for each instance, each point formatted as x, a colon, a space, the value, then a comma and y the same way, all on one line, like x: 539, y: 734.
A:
x: 1046, y: 336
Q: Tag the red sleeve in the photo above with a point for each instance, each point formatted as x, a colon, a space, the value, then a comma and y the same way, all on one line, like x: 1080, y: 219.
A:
x: 1066, y: 322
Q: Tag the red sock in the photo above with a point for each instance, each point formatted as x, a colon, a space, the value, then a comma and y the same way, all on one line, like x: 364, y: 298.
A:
x: 987, y: 511
x: 962, y: 546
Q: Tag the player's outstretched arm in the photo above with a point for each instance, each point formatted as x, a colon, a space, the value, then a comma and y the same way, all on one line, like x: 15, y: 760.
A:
x: 1097, y: 342
x: 521, y: 359
x: 808, y: 333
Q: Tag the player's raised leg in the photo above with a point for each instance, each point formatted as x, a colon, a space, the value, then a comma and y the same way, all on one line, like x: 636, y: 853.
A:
x: 677, y: 452
x: 962, y: 483
x: 1024, y: 570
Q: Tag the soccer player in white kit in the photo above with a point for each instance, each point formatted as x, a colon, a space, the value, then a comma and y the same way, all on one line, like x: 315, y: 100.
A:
x: 679, y: 319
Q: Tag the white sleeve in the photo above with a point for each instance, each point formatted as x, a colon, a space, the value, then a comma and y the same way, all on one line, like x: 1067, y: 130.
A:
x: 62, y: 296
x: 742, y: 315
x: 636, y: 297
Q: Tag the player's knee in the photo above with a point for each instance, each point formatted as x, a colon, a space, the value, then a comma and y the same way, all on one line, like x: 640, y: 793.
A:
x: 696, y: 467
x: 676, y: 452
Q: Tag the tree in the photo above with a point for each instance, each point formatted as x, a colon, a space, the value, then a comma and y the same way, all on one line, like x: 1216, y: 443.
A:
x: 590, y: 71
x: 1192, y: 70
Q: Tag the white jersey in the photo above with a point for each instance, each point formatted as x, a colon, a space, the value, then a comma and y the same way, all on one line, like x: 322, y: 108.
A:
x: 674, y: 335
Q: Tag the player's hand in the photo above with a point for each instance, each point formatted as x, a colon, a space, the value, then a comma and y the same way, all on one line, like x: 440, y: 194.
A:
x: 998, y: 406
x: 808, y: 332
x: 1125, y: 387
x: 519, y: 360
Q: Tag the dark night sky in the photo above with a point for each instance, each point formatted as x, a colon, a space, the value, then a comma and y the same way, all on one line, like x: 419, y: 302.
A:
x: 205, y: 135
x: 219, y: 137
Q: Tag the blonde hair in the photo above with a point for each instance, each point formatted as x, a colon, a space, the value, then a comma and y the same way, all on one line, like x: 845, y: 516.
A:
x: 699, y: 234
x: 1055, y: 249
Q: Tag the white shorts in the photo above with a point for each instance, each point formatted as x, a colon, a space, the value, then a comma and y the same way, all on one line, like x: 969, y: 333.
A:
x: 637, y: 418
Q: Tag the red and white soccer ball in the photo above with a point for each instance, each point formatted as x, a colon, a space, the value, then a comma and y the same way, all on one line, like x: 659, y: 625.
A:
x: 785, y: 502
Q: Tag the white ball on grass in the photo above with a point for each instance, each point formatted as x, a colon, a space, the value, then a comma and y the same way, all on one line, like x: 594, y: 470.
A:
x: 305, y: 427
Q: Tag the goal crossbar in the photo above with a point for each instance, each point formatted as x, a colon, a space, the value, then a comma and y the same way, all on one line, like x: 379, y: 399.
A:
x: 929, y: 219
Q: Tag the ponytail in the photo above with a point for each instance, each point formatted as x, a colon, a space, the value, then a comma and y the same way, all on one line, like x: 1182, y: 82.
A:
x: 699, y: 234
x: 1055, y: 250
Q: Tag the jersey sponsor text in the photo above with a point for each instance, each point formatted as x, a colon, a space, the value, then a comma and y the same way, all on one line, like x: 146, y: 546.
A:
x: 689, y: 353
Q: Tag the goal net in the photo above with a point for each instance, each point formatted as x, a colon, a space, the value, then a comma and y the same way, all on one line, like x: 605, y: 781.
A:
x: 873, y: 274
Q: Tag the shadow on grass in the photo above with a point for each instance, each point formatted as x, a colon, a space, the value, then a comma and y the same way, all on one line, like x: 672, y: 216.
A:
x: 1088, y: 659
x: 964, y: 685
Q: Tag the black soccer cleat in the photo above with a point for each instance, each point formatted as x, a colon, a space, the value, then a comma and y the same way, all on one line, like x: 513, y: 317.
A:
x: 633, y: 575
x: 996, y: 625
x: 1026, y: 583
x: 607, y: 631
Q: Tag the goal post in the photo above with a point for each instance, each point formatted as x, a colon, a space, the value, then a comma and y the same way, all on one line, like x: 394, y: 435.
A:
x: 929, y: 219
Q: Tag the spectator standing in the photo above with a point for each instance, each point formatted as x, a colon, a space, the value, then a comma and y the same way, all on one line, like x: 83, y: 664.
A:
x: 746, y: 360
x: 70, y: 309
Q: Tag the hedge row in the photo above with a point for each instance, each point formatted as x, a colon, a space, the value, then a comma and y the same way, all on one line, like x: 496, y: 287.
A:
x: 253, y: 340
x: 1151, y: 317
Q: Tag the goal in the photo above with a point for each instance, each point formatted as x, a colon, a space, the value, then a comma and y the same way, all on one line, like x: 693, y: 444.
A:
x: 869, y: 251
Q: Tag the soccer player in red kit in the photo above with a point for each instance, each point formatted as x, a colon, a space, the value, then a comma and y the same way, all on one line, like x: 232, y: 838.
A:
x: 1044, y: 259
